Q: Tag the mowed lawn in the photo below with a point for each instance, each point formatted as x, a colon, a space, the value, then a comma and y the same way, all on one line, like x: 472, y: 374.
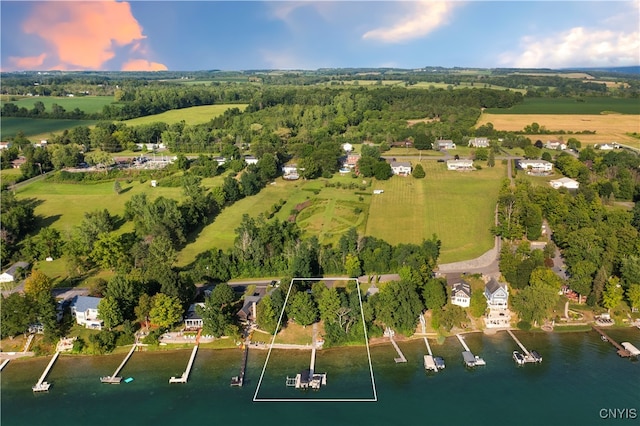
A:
x: 457, y: 206
x: 192, y: 115
x: 88, y: 104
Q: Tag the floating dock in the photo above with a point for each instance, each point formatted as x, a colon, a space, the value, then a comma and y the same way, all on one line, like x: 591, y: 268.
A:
x: 185, y: 375
x: 114, y: 378
x: 622, y: 351
x: 239, y: 380
x: 4, y: 364
x: 41, y: 385
x: 468, y: 357
x: 527, y: 356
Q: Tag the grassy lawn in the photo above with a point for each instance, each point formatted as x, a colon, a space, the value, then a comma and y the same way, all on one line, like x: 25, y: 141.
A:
x: 9, y: 176
x: 88, y: 104
x: 192, y: 115
x: 457, y: 207
x: 38, y: 128
x: 294, y: 334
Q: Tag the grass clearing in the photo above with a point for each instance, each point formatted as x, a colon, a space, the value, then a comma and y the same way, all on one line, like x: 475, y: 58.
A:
x: 9, y: 176
x: 457, y: 206
x: 88, y: 104
x: 571, y: 106
x: 192, y: 115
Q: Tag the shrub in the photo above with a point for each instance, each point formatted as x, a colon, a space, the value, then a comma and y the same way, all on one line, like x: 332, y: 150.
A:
x: 524, y: 325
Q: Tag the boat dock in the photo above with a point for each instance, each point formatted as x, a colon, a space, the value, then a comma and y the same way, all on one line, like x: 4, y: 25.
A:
x: 400, y: 358
x: 308, y: 378
x: 622, y: 351
x: 42, y: 385
x: 469, y: 358
x: 628, y: 346
x: 429, y: 361
x: 4, y: 364
x: 239, y: 380
x: 185, y: 375
x: 114, y: 378
x: 532, y: 356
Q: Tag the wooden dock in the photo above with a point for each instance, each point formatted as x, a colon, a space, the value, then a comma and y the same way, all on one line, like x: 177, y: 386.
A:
x: 4, y: 364
x: 429, y: 362
x: 468, y: 357
x: 239, y: 380
x: 185, y: 375
x: 526, y: 352
x: 114, y: 378
x: 401, y: 357
x: 463, y: 343
x: 42, y: 385
x: 621, y: 350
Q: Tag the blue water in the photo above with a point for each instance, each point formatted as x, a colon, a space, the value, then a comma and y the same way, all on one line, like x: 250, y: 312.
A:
x: 580, y: 376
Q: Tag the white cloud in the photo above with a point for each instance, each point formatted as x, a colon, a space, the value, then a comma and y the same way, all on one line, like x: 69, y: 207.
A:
x: 578, y: 46
x: 422, y: 18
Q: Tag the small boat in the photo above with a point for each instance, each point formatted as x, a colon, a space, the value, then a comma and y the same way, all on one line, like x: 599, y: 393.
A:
x: 604, y: 338
x: 439, y: 362
x: 480, y: 361
x: 128, y: 380
x: 518, y: 358
x: 536, y: 356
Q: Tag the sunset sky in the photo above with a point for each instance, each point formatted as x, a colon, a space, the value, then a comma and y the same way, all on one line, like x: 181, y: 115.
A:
x: 243, y: 35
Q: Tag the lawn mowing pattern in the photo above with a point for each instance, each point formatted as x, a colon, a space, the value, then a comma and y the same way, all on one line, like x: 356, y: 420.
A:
x: 457, y: 206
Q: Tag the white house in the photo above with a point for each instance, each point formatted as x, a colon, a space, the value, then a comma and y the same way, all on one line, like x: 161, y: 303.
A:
x: 250, y: 159
x: 10, y: 274
x: 479, y: 142
x: 4, y: 145
x: 85, y: 310
x: 497, y: 294
x: 444, y: 144
x: 288, y: 169
x: 193, y: 320
x: 347, y: 147
x: 400, y: 168
x: 564, y: 182
x: 535, y: 166
x: 555, y: 145
x: 460, y: 164
x: 220, y: 160
x: 605, y: 147
x: 461, y: 294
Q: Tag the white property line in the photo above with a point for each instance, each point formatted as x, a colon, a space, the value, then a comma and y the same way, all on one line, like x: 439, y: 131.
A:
x: 366, y: 338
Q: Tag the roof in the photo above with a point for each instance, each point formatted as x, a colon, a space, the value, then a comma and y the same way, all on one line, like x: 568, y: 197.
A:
x: 247, y: 308
x: 192, y: 313
x: 565, y: 180
x: 12, y: 270
x: 84, y: 303
x: 468, y: 357
x: 493, y: 286
x: 463, y: 287
x: 400, y: 164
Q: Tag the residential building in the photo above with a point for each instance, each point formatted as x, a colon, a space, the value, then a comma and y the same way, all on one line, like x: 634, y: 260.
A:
x: 479, y: 142
x: 10, y: 274
x: 497, y: 295
x: 441, y: 144
x: 459, y: 164
x: 250, y: 159
x: 535, y: 166
x: 85, y: 310
x: 407, y: 143
x: 559, y: 145
x: 193, y: 320
x: 461, y: 294
x: 5, y: 145
x: 248, y: 311
x: 18, y: 162
x: 400, y: 168
x: 290, y: 172
x: 564, y: 182
x: 352, y: 160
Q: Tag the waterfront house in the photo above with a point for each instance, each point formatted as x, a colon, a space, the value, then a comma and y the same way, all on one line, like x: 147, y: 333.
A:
x: 497, y: 295
x: 85, y: 310
x: 193, y: 320
x: 564, y: 182
x: 248, y: 311
x: 400, y: 168
x: 10, y: 274
x: 461, y: 294
x: 459, y: 165
x: 479, y: 142
x: 444, y: 144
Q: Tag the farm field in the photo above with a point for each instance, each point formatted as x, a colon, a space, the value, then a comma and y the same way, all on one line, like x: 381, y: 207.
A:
x: 38, y: 128
x: 588, y: 105
x: 192, y: 115
x: 88, y: 104
x: 608, y: 127
x: 457, y: 207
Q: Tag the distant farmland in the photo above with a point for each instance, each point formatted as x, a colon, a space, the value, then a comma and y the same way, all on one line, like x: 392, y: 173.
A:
x: 587, y: 105
x: 40, y: 127
x: 192, y: 115
x: 88, y: 104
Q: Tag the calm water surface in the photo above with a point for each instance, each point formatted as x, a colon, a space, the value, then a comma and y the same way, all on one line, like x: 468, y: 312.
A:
x: 580, y: 376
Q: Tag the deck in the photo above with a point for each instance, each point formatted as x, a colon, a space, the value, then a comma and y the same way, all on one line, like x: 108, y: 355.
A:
x: 624, y: 353
x: 114, y: 378
x: 185, y: 375
x: 42, y: 385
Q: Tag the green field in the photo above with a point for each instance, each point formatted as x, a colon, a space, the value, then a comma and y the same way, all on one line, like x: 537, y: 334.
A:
x: 88, y: 104
x: 9, y: 176
x: 595, y: 105
x: 35, y: 128
x: 456, y: 206
x: 192, y: 115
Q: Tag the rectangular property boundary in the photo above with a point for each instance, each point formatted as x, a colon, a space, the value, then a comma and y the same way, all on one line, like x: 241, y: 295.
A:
x: 366, y: 338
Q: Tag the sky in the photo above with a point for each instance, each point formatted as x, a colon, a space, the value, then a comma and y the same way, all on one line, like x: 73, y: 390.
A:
x: 249, y: 35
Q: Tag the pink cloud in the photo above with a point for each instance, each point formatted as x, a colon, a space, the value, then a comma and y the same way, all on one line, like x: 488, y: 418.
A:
x: 143, y: 65
x: 83, y: 35
x: 28, y: 62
